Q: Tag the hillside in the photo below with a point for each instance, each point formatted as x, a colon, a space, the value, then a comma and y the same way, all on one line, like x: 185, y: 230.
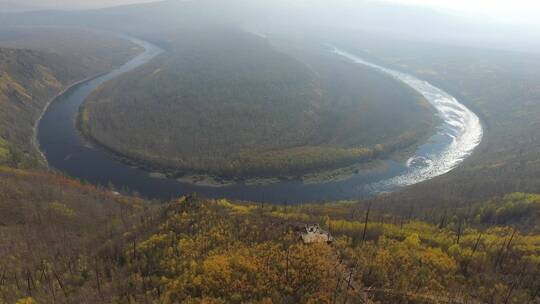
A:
x: 35, y: 65
x: 84, y: 48
x: 117, y: 249
x: 236, y: 253
x: 52, y: 230
x: 239, y: 107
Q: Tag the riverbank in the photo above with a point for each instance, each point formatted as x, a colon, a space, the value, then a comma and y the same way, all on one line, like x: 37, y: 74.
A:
x: 66, y: 152
x: 35, y: 142
x: 329, y: 175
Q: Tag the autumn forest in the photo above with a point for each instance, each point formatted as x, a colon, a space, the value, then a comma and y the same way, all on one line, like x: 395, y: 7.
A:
x: 249, y: 96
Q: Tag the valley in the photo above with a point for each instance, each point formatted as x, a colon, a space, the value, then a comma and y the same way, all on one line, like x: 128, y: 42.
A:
x: 71, y: 154
x: 187, y: 159
x: 272, y: 116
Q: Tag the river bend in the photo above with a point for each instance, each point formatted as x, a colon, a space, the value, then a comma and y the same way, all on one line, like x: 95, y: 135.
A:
x: 458, y: 134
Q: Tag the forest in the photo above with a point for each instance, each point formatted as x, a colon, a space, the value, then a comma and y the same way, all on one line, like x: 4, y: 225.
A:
x: 35, y: 65
x: 469, y: 236
x: 240, y: 107
x: 117, y: 249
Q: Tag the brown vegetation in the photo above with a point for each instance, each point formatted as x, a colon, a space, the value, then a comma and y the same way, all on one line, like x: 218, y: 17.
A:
x: 122, y: 250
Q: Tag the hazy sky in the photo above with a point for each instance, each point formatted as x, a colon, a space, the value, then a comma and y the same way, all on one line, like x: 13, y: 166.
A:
x: 69, y: 4
x: 514, y: 11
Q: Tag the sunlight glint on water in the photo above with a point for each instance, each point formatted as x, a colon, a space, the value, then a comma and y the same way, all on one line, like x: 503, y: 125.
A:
x: 460, y: 125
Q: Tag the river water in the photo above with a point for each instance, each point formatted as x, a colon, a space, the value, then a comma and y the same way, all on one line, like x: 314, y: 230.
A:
x: 458, y: 134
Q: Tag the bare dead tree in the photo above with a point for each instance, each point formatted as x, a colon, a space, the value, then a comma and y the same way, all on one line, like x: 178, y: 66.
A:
x: 366, y: 224
x: 98, y: 281
x: 349, y: 282
x: 504, y: 249
x: 29, y: 281
x: 460, y: 223
x: 60, y: 283
x: 475, y: 247
x: 515, y: 284
x: 442, y: 223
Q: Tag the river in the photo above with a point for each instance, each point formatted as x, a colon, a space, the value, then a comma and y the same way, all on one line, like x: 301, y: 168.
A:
x: 458, y: 134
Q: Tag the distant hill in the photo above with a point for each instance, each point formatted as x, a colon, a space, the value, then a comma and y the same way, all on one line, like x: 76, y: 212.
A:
x: 231, y: 104
x: 135, y: 19
x: 382, y: 18
x: 36, y: 64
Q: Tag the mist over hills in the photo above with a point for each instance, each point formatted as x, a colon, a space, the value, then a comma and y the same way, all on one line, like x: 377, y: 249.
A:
x: 394, y: 20
x: 174, y: 13
x: 131, y: 19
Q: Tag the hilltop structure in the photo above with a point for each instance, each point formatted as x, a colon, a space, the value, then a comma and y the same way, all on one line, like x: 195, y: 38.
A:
x: 314, y: 234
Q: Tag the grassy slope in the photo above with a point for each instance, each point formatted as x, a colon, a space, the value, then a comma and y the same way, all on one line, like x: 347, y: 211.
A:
x: 238, y: 106
x: 35, y: 65
x: 73, y: 243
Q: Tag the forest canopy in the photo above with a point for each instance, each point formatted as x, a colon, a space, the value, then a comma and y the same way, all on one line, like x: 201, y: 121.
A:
x: 232, y: 103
